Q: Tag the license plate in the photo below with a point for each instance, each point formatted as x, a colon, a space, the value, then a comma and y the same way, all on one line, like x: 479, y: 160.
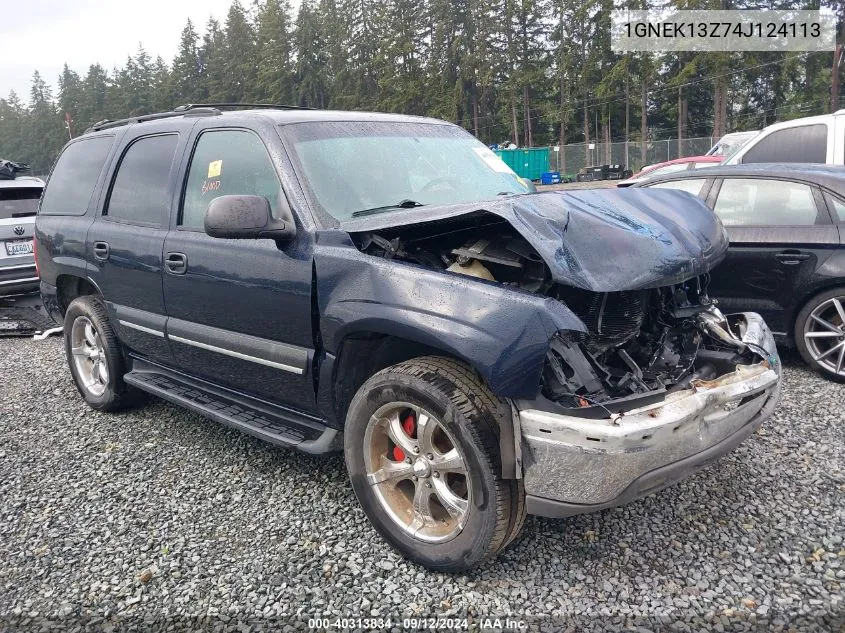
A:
x: 19, y: 247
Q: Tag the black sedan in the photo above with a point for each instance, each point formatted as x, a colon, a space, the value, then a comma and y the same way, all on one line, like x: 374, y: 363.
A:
x: 786, y: 225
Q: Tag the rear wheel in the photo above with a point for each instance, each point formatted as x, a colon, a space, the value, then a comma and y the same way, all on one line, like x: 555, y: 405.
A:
x: 94, y: 355
x: 422, y: 450
x: 820, y: 333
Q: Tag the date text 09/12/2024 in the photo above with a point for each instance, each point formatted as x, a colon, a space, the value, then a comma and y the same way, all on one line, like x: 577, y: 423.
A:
x: 418, y: 624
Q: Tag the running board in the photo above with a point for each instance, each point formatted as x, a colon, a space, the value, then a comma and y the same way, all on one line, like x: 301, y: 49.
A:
x: 262, y: 420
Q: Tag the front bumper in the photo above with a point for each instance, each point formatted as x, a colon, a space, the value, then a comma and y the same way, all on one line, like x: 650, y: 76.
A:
x: 573, y: 465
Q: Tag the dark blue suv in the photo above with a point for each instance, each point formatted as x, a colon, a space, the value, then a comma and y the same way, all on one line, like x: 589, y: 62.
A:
x: 385, y: 285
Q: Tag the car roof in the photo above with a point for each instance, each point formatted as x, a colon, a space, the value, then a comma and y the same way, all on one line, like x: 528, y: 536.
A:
x: 21, y: 182
x: 830, y: 176
x: 733, y: 135
x: 281, y: 115
x: 687, y: 159
x: 807, y: 120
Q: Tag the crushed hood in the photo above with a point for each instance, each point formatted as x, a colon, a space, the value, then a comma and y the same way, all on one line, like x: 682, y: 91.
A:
x: 603, y: 240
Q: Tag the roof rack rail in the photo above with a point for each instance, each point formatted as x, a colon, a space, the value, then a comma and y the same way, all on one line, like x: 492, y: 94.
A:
x: 189, y: 109
x: 106, y: 124
x: 269, y: 106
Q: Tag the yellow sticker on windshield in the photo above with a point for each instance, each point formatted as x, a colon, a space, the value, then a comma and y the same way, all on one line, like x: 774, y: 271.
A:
x: 214, y: 168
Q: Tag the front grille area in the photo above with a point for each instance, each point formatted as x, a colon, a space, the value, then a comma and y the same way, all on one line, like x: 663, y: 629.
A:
x: 611, y: 318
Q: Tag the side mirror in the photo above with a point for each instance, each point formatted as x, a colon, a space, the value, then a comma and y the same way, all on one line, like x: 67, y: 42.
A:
x: 247, y: 217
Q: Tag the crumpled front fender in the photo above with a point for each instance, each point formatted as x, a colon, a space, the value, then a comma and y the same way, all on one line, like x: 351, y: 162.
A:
x: 503, y: 333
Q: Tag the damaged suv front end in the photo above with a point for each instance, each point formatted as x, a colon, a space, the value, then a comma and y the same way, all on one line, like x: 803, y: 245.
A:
x: 585, y: 313
x: 589, y: 452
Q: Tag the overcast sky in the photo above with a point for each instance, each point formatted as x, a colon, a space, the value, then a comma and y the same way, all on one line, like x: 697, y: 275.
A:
x: 44, y: 34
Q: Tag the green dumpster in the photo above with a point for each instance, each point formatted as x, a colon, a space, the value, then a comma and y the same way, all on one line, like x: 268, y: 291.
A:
x: 528, y: 163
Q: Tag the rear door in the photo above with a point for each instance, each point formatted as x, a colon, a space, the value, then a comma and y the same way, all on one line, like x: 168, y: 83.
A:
x: 125, y: 241
x: 780, y: 232
x: 239, y: 311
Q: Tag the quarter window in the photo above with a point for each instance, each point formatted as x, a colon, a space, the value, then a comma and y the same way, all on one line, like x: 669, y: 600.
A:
x: 691, y: 185
x: 838, y: 207
x: 801, y: 144
x: 746, y: 201
x: 139, y: 194
x: 75, y: 175
x: 228, y: 162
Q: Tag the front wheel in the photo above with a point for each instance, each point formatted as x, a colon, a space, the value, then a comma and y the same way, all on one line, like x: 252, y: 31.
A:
x: 422, y: 451
x: 820, y: 333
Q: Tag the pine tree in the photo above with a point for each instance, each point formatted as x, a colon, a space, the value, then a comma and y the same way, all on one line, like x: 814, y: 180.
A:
x: 311, y: 59
x: 93, y: 105
x: 274, y: 82
x: 70, y: 96
x: 213, y: 63
x: 186, y: 75
x: 160, y: 94
x: 13, y: 121
x: 240, y: 63
x: 44, y: 128
x: 399, y: 60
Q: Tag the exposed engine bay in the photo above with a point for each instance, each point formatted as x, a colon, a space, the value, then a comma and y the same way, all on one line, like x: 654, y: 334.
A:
x: 637, y: 342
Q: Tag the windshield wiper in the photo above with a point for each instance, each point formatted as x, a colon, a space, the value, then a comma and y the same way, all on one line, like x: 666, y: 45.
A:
x: 402, y: 204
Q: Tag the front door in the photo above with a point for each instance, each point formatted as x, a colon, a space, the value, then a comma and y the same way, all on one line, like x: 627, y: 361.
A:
x: 239, y: 311
x: 780, y: 231
x: 125, y: 242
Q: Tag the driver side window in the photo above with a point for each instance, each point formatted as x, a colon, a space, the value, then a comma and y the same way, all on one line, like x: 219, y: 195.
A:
x: 227, y: 162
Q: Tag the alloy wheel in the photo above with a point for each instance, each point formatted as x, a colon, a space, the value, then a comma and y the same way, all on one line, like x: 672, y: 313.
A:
x: 417, y: 472
x: 89, y: 357
x: 824, y: 334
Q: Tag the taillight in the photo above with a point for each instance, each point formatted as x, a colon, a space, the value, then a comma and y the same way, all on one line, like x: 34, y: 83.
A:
x: 35, y: 256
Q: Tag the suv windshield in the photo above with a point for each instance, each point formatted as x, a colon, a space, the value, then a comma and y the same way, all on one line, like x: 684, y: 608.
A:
x: 358, y: 168
x: 18, y: 202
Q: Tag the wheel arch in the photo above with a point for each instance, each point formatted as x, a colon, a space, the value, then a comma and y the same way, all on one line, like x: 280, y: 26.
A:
x: 828, y: 285
x: 378, y: 351
x: 363, y: 353
x: 69, y: 287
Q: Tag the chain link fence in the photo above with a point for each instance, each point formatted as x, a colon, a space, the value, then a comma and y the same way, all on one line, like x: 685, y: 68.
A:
x: 568, y: 159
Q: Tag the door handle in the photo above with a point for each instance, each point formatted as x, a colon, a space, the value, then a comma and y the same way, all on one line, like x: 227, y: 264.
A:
x: 101, y: 251
x: 792, y: 258
x: 176, y: 263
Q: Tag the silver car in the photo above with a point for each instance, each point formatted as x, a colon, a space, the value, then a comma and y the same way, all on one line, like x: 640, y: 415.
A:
x: 18, y: 205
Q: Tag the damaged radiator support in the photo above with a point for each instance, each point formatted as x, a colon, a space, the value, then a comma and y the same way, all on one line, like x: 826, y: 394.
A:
x: 639, y: 343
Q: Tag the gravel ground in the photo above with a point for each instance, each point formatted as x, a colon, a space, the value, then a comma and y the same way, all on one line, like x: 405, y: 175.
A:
x: 159, y: 519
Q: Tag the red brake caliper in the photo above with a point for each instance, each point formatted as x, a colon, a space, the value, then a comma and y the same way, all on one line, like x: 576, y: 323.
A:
x: 409, y: 426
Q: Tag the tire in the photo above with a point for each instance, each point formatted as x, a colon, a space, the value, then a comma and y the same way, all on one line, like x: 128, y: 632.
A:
x: 825, y: 353
x: 111, y: 393
x: 467, y: 417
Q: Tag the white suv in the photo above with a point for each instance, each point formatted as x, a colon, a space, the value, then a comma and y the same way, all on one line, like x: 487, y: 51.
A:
x: 18, y: 206
x: 815, y: 139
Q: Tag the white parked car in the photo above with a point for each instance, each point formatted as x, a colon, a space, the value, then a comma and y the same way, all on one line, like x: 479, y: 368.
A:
x: 18, y: 205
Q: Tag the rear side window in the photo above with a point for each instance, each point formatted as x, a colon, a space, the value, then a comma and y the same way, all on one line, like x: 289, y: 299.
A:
x: 690, y: 185
x: 802, y: 144
x: 140, y: 194
x: 755, y: 202
x: 75, y: 176
x: 18, y: 202
x: 228, y: 162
